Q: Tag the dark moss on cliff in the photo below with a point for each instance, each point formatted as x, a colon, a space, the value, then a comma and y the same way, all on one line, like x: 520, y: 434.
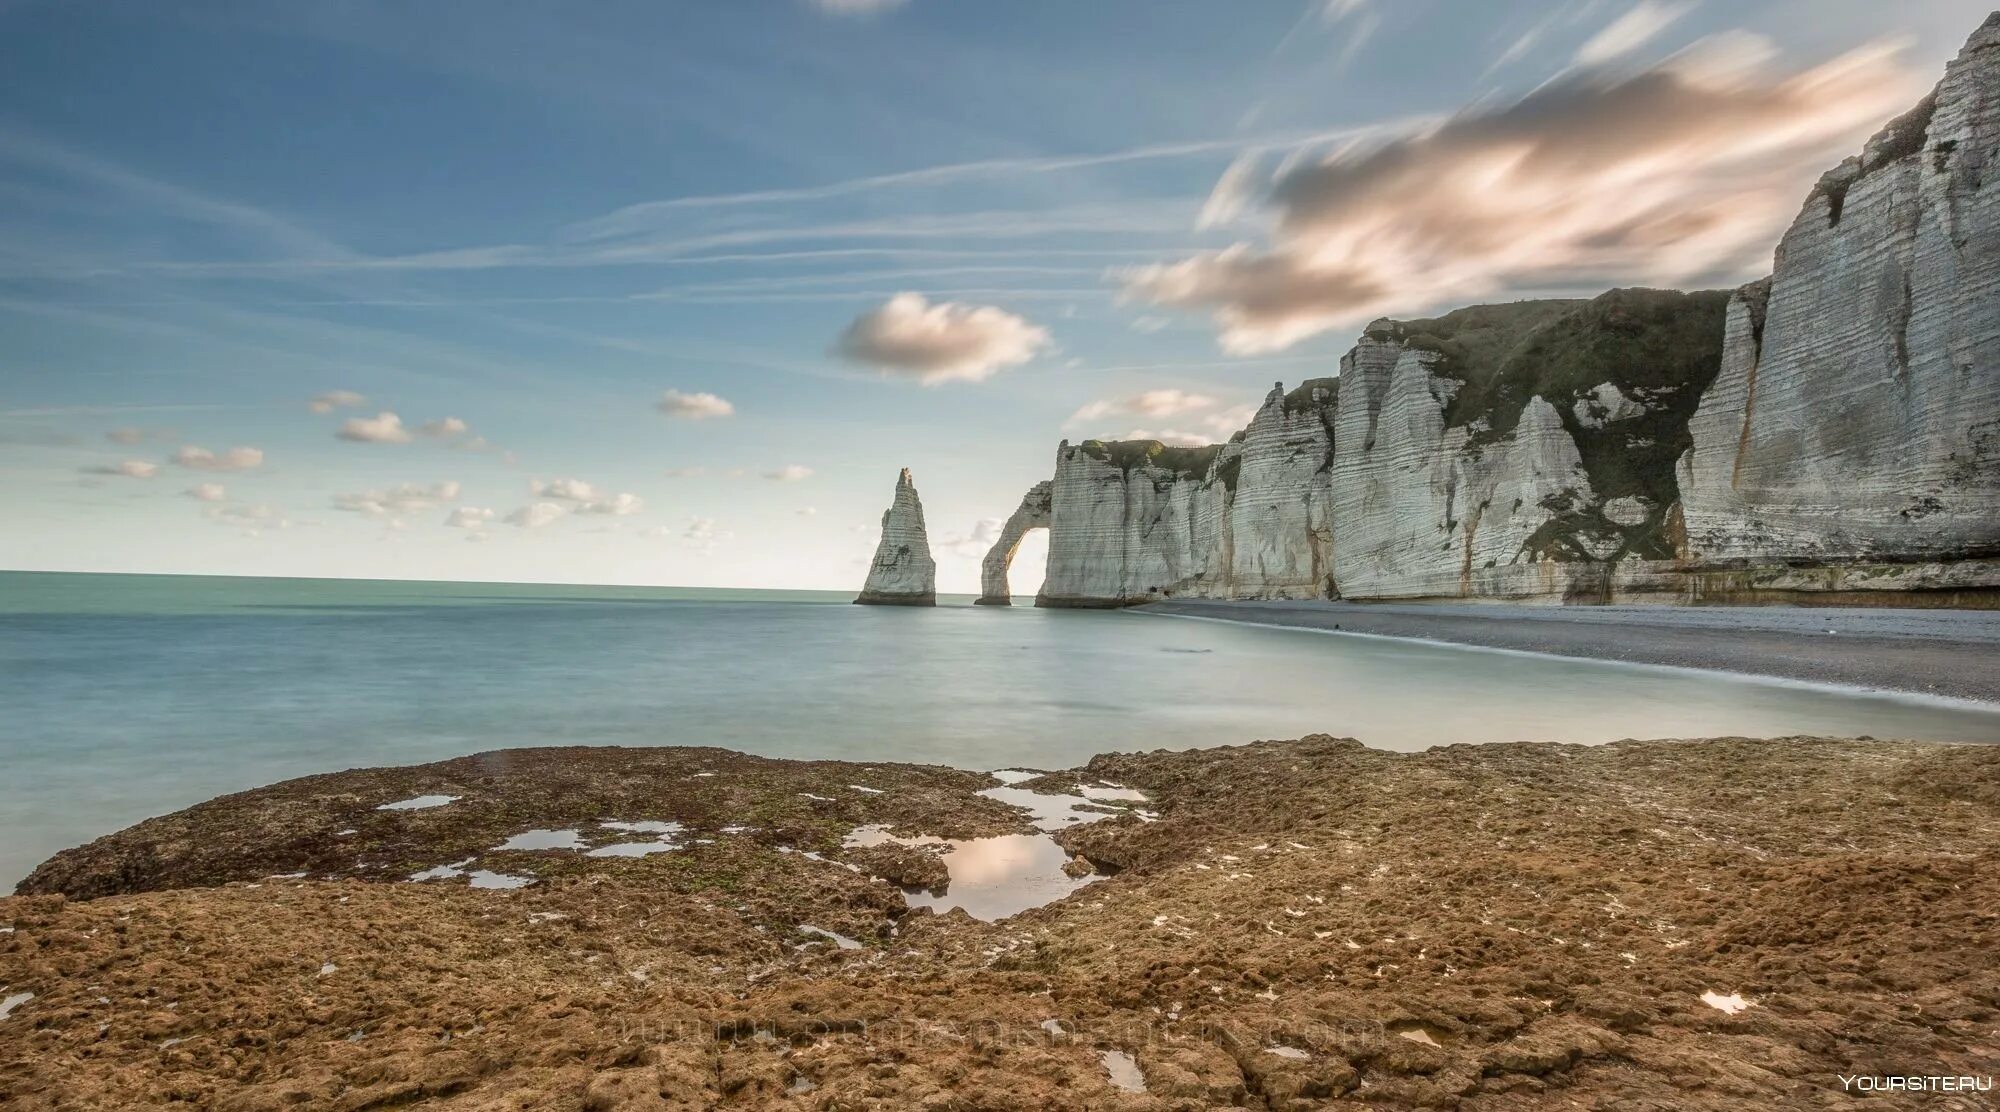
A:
x: 1313, y: 393
x: 1128, y: 454
x: 1660, y: 348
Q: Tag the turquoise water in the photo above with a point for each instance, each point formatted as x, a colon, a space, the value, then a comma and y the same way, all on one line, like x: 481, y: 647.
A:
x: 128, y: 696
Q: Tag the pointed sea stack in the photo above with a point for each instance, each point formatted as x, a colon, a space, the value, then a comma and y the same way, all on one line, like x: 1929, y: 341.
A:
x: 903, y: 573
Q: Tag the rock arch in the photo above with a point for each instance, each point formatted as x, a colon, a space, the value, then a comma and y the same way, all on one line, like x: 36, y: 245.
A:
x: 1033, y: 513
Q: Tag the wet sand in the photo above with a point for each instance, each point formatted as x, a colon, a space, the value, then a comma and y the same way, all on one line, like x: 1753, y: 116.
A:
x: 1949, y: 653
x: 1717, y: 924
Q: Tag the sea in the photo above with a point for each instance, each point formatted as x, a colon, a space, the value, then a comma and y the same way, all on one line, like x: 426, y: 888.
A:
x: 127, y: 696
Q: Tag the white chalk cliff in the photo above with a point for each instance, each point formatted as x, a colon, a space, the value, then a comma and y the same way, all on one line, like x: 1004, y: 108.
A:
x: 1829, y: 434
x: 1856, y: 417
x: 903, y: 573
x: 1032, y: 513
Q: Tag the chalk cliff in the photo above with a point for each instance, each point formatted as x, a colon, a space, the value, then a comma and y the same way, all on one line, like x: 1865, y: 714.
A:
x: 1830, y: 434
x: 903, y: 573
x: 1856, y: 418
x: 1032, y: 513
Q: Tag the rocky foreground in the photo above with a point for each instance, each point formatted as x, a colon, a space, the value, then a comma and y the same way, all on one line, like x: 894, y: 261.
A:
x: 1654, y: 925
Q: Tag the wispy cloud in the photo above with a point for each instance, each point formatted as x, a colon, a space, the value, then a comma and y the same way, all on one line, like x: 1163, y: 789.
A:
x: 1650, y: 178
x: 197, y: 458
x: 399, y: 500
x: 790, y: 473
x: 336, y: 399
x: 129, y: 469
x: 1630, y: 31
x: 697, y: 406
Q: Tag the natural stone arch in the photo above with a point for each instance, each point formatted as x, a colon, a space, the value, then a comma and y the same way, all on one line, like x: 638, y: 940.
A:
x: 1032, y: 514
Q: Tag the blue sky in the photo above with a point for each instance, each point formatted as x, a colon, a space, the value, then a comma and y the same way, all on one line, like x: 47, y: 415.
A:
x: 525, y: 224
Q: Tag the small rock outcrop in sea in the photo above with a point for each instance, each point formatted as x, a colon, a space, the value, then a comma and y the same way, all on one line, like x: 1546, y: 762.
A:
x: 903, y: 573
x: 1033, y: 513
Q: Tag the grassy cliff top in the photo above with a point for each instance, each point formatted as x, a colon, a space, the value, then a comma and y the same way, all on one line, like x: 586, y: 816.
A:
x: 1128, y: 454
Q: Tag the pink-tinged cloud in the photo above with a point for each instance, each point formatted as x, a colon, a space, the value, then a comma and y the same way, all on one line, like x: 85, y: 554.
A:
x: 945, y: 342
x: 1690, y: 169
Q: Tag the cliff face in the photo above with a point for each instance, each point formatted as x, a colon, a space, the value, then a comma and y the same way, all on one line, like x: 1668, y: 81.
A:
x: 1856, y: 417
x: 903, y: 573
x: 1033, y: 513
x: 1831, y: 433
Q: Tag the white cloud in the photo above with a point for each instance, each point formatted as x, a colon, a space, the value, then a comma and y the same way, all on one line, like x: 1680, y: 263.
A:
x: 945, y: 342
x: 701, y: 533
x: 617, y: 505
x: 336, y: 399
x: 403, y: 498
x: 1151, y: 403
x: 1630, y: 31
x: 125, y: 436
x: 808, y: 511
x: 686, y: 472
x: 566, y: 490
x: 790, y: 473
x: 535, y: 515
x: 383, y: 428
x: 694, y: 407
x: 1232, y: 193
x: 235, y: 459
x: 443, y: 428
x: 207, y: 492
x: 1177, y: 437
x: 469, y: 517
x: 252, y: 519
x: 1688, y: 170
x: 130, y: 469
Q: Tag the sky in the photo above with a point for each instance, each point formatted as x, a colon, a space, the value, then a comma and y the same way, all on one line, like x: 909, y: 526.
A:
x: 667, y: 293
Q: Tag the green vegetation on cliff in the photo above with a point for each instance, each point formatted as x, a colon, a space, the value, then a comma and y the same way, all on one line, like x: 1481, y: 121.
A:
x: 1128, y: 454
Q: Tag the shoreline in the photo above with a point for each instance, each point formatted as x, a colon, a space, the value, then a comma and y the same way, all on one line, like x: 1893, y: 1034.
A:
x: 1280, y: 925
x: 1948, y: 657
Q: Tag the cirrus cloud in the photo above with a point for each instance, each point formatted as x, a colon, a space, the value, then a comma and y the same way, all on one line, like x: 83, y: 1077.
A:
x: 790, y: 473
x: 694, y: 406
x: 403, y: 498
x: 128, y: 469
x: 946, y: 342
x: 1687, y: 170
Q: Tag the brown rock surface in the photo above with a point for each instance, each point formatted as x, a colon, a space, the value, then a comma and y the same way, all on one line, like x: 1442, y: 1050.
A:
x: 1307, y: 924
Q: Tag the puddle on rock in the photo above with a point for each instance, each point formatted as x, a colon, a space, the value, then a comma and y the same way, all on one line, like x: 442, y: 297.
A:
x: 479, y: 878
x: 8, y: 1005
x: 419, y: 803
x: 1106, y: 792
x: 643, y: 826
x: 1728, y: 1005
x: 993, y: 878
x: 1292, y: 1052
x: 662, y: 844
x: 1124, y: 1071
x: 1417, y: 1031
x: 839, y: 940
x: 543, y: 839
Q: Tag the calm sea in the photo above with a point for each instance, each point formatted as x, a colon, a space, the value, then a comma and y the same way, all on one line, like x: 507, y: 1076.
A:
x: 128, y: 696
